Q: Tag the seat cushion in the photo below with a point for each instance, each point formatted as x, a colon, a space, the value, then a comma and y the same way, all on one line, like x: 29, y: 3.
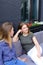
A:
x: 18, y: 48
x: 39, y: 36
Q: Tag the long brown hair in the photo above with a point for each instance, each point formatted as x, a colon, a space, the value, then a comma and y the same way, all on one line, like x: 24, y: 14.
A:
x: 7, y: 26
x: 1, y: 33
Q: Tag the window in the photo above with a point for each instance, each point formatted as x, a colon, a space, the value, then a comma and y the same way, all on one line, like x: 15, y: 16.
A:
x: 29, y: 10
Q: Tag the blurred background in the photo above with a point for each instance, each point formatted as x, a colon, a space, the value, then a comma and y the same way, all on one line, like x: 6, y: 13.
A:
x: 17, y: 11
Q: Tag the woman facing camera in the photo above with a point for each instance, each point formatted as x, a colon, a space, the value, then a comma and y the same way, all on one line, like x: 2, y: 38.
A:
x: 29, y: 42
x: 7, y: 49
x: 27, y: 38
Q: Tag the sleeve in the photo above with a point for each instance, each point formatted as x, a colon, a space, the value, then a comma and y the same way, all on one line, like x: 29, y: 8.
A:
x: 1, y: 60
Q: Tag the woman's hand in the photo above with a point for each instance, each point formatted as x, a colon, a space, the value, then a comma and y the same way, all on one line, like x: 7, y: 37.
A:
x: 19, y: 31
x: 22, y: 59
x: 38, y: 55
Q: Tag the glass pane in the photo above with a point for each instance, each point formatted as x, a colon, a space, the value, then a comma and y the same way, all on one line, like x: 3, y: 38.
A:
x: 29, y: 10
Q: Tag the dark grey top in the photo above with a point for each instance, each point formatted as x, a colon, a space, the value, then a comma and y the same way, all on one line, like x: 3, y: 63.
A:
x: 27, y: 42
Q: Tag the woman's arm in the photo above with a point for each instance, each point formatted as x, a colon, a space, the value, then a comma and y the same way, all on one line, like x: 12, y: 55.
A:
x: 1, y: 60
x: 15, y: 38
x: 37, y: 46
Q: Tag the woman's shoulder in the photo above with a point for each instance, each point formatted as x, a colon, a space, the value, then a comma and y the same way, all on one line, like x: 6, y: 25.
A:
x: 2, y: 42
x: 31, y: 34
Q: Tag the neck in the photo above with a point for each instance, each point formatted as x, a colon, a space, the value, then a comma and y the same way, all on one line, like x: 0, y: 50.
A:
x: 25, y: 34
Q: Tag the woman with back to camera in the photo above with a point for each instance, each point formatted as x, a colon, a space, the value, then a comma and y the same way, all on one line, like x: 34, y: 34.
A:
x: 29, y: 42
x: 7, y: 49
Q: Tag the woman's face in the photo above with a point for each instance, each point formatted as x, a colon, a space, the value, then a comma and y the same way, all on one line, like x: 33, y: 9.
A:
x: 25, y: 29
x: 12, y: 32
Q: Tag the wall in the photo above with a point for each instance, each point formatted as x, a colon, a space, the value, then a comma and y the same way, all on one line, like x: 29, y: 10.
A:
x: 10, y: 11
x: 41, y: 10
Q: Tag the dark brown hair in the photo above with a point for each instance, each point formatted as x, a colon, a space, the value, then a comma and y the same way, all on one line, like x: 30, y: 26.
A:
x: 1, y: 33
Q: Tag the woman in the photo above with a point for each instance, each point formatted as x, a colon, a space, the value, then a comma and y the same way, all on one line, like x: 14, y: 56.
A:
x: 28, y: 40
x: 7, y: 49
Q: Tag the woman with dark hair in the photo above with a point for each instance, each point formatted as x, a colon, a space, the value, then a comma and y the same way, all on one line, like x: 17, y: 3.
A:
x: 29, y: 43
x: 28, y: 40
x: 7, y: 49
